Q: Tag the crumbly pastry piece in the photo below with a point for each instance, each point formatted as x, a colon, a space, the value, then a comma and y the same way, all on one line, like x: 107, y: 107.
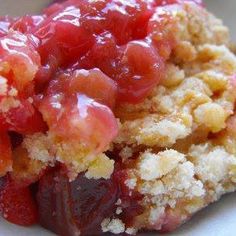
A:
x: 44, y: 148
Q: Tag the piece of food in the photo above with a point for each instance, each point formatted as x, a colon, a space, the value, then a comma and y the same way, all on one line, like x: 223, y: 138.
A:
x: 115, y: 116
x: 17, y: 204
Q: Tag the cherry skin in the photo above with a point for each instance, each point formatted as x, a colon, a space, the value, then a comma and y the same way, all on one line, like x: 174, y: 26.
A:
x: 83, y: 204
x: 5, y: 153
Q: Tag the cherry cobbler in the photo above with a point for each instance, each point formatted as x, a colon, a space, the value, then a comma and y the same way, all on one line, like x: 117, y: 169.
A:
x: 116, y: 116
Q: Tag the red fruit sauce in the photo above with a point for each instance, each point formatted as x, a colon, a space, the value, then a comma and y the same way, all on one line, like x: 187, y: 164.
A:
x: 66, y: 70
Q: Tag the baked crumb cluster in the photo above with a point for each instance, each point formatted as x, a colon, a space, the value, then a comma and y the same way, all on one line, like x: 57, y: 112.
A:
x: 175, y: 151
x: 46, y: 151
x: 180, y: 134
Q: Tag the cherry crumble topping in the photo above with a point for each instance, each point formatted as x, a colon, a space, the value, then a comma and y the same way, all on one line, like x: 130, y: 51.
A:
x: 64, y: 75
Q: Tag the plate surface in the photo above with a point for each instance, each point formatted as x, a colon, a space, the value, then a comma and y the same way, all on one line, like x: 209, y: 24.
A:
x: 219, y: 219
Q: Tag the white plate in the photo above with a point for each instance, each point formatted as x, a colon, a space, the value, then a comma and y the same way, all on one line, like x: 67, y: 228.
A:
x: 219, y: 219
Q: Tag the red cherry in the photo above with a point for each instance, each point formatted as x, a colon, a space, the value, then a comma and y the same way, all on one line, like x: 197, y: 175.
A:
x: 19, y: 60
x: 93, y: 83
x: 24, y: 119
x: 168, y: 2
x: 17, y: 204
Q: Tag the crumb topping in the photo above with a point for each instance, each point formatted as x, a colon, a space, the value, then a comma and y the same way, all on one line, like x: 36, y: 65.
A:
x: 188, y: 154
x: 115, y: 226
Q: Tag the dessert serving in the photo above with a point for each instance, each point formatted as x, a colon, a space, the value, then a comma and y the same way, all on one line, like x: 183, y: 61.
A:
x: 116, y: 116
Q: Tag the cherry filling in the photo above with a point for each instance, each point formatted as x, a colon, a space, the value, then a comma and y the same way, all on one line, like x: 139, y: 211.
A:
x: 17, y: 204
x: 5, y: 23
x: 113, y: 36
x: 83, y: 204
x: 65, y: 71
x: 19, y: 63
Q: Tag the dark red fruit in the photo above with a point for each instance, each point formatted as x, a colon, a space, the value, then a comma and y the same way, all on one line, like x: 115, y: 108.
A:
x: 168, y: 2
x: 17, y: 204
x: 129, y: 199
x: 79, y: 206
x: 5, y: 153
